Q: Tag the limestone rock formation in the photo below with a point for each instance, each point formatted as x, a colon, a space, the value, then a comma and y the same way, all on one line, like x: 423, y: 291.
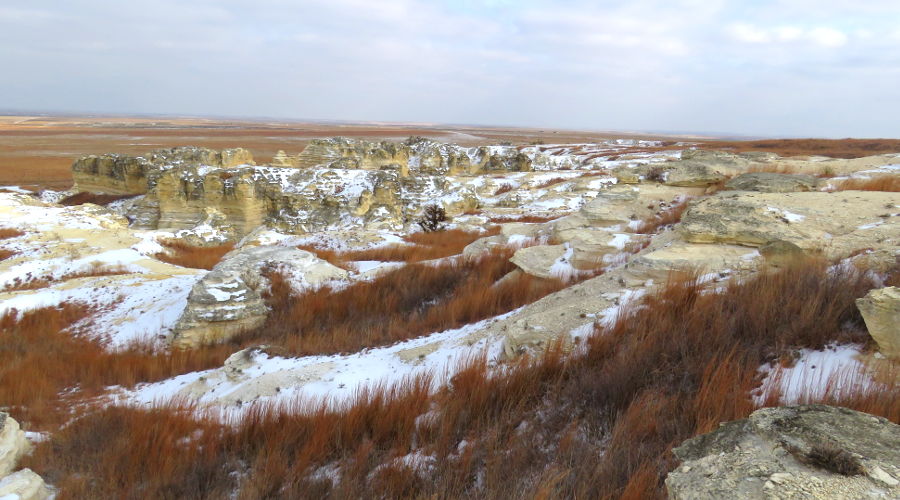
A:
x: 12, y: 444
x: 227, y: 300
x: 833, y: 223
x: 766, y: 182
x: 802, y: 452
x: 23, y: 485
x: 122, y: 174
x: 881, y: 311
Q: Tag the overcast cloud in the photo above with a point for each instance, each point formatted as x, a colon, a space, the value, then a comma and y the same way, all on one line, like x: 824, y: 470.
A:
x: 766, y: 67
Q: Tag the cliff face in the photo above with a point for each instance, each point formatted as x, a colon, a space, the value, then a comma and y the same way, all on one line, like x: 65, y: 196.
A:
x: 291, y: 200
x: 416, y: 155
x: 122, y: 174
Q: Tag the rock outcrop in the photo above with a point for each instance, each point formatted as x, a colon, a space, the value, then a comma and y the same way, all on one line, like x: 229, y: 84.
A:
x: 23, y: 484
x: 228, y: 300
x: 881, y: 311
x: 835, y: 224
x: 766, y: 182
x: 12, y: 444
x: 123, y: 174
x: 802, y: 452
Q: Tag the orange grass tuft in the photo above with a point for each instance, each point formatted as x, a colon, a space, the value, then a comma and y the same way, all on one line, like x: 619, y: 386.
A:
x: 37, y: 282
x: 890, y: 183
x: 184, y: 255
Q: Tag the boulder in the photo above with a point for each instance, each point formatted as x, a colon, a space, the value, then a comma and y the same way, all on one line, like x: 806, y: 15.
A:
x: 766, y: 182
x: 539, y: 260
x: 23, y: 485
x: 803, y: 452
x: 880, y: 309
x: 228, y: 300
x: 12, y: 444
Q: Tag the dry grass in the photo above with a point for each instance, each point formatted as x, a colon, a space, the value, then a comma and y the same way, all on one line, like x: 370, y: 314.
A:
x: 5, y: 254
x: 835, y: 148
x: 890, y: 183
x: 825, y: 172
x: 504, y: 188
x: 30, y: 282
x: 184, y: 255
x: 423, y: 246
x: 39, y: 360
x: 530, y: 219
x: 551, y: 182
x: 408, y: 302
x: 97, y: 199
x: 8, y: 232
x: 665, y: 218
x: 599, y: 424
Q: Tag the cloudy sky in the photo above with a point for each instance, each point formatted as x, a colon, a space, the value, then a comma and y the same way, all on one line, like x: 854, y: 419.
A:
x: 761, y: 67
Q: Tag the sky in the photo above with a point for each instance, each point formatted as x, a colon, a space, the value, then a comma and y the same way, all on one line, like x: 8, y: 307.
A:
x: 811, y: 68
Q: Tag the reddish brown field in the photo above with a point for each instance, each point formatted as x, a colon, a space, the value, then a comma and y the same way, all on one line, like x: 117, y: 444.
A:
x: 835, y: 148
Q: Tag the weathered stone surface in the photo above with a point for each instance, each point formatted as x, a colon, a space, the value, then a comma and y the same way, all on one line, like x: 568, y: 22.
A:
x: 766, y: 182
x: 228, y: 299
x: 12, y: 444
x: 688, y: 257
x: 767, y: 456
x: 834, y: 223
x: 693, y: 174
x: 881, y: 311
x: 23, y: 485
x: 780, y: 253
x: 122, y: 174
x: 539, y: 260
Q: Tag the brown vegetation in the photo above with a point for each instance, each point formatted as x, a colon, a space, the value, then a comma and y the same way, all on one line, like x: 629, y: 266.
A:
x: 835, y: 148
x: 40, y: 360
x: 405, y: 303
x: 8, y: 232
x: 184, y: 255
x: 30, y: 282
x: 551, y: 182
x: 95, y: 198
x: 599, y: 424
x: 825, y: 172
x: 504, y: 188
x: 423, y: 246
x: 890, y: 183
x: 531, y: 219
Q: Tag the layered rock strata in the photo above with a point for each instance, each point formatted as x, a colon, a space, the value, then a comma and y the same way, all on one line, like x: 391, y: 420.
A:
x: 228, y: 300
x: 803, y: 452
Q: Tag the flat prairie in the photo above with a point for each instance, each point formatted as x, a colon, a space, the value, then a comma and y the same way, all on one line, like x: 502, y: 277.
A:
x: 37, y: 151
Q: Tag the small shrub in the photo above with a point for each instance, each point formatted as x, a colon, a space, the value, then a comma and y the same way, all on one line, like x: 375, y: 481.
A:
x: 663, y: 219
x: 656, y: 173
x: 504, y: 188
x: 550, y: 182
x: 832, y: 459
x: 433, y: 219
